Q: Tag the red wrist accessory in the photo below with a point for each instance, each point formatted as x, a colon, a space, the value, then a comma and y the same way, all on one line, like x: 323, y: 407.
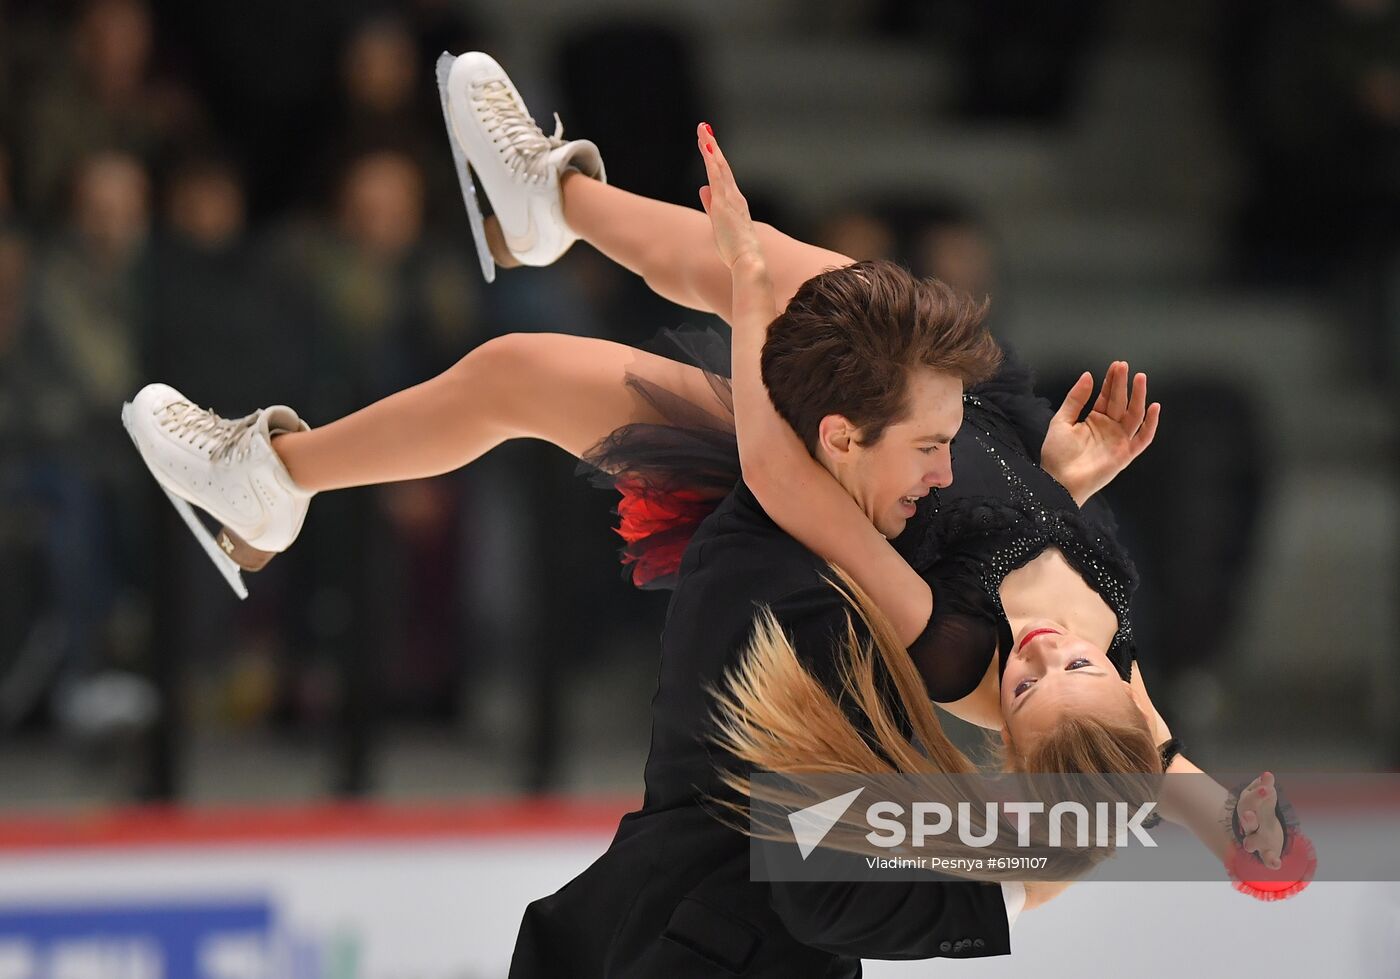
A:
x: 1295, y: 872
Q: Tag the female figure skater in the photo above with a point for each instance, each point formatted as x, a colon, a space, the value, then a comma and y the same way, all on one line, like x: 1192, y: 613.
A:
x: 1014, y: 579
x: 1028, y: 633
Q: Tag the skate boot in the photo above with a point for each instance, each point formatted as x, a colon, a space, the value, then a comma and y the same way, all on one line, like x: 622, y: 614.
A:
x: 227, y: 468
x: 519, y: 167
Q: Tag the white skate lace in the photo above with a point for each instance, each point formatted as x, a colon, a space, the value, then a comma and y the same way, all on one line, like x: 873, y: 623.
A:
x: 225, y: 439
x: 523, y: 144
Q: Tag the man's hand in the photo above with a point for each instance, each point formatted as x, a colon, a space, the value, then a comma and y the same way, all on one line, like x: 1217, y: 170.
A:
x: 735, y: 236
x: 1085, y: 455
x: 1257, y: 810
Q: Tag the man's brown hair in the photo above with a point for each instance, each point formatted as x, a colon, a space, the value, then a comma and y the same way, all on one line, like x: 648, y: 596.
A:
x: 847, y: 341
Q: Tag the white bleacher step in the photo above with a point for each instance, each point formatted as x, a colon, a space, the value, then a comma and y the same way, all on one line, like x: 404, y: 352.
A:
x: 996, y: 170
x: 1288, y: 338
x: 1148, y: 127
x: 1288, y: 353
x: 1322, y: 598
x: 1125, y: 80
x: 1086, y: 246
x: 814, y: 82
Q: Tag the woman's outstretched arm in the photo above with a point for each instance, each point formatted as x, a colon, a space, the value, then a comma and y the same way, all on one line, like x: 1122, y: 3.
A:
x: 801, y: 496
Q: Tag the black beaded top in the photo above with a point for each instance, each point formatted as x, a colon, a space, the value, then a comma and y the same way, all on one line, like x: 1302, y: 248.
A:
x: 1001, y: 511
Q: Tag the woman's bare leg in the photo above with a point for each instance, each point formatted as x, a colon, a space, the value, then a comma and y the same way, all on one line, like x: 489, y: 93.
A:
x: 567, y: 390
x: 673, y: 248
x: 562, y: 389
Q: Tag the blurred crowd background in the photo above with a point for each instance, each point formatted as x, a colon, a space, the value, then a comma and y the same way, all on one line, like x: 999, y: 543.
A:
x: 255, y: 202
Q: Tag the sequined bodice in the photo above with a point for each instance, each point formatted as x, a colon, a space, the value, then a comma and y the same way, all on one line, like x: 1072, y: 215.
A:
x: 1002, y: 511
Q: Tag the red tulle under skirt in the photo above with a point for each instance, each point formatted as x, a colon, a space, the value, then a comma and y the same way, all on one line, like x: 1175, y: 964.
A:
x: 657, y: 525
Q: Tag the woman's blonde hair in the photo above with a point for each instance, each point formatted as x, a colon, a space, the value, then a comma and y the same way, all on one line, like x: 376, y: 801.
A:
x: 777, y: 717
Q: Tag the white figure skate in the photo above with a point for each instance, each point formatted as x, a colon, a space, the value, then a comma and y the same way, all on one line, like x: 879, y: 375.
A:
x: 494, y: 137
x: 227, y: 468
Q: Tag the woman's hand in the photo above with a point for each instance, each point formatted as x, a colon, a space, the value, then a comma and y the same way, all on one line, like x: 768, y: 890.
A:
x: 728, y: 210
x: 1257, y: 810
x: 1085, y: 455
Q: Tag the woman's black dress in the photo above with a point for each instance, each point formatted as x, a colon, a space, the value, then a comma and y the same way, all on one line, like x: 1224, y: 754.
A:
x: 1001, y: 511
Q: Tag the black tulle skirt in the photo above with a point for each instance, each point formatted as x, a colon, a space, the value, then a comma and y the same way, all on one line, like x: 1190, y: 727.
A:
x: 672, y: 476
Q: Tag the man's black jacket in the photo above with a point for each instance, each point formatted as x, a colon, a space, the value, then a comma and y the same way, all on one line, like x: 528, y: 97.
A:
x: 672, y: 898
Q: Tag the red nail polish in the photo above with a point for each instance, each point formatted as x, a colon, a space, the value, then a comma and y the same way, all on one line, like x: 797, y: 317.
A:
x: 710, y: 148
x: 709, y: 130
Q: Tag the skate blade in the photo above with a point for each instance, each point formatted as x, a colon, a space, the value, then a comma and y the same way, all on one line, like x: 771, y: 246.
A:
x: 464, y: 175
x: 206, y: 540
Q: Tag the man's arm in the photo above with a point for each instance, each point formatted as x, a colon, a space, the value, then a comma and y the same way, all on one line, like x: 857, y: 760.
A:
x: 893, y: 919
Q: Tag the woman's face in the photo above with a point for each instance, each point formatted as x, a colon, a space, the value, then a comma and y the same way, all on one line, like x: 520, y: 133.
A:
x: 1051, y: 672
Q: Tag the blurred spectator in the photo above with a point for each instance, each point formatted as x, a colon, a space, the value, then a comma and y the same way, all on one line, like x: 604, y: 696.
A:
x: 384, y: 308
x: 16, y: 601
x: 34, y: 29
x: 860, y: 234
x: 380, y: 70
x: 1315, y: 90
x: 443, y: 25
x: 600, y: 69
x: 98, y: 96
x: 941, y: 238
x: 951, y: 243
x: 88, y: 296
x: 1316, y: 93
x: 216, y: 327
x: 77, y: 360
x: 205, y: 205
x: 389, y: 101
x: 20, y: 546
x: 14, y: 280
x: 269, y: 92
x: 218, y: 332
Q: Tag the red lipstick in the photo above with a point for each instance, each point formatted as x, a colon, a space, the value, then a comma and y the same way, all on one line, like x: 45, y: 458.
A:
x: 1032, y: 634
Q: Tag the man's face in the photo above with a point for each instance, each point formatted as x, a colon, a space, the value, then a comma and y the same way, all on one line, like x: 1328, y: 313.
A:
x: 911, y: 457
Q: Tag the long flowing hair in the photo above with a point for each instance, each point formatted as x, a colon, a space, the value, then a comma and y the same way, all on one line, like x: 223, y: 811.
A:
x: 775, y: 716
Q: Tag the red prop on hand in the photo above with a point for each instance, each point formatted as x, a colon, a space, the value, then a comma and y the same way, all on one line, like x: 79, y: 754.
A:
x: 1293, y: 875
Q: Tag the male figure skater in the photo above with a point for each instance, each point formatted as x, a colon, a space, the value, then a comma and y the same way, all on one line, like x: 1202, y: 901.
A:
x: 672, y: 895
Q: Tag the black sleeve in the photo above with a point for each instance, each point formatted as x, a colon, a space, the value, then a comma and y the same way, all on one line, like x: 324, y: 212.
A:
x: 895, y: 919
x: 877, y: 918
x: 960, y: 640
